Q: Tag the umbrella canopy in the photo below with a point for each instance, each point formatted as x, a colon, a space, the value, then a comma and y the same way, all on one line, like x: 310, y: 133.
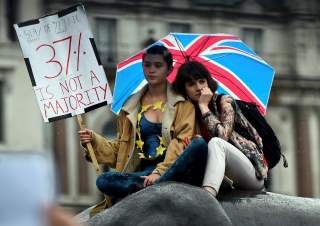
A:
x: 238, y: 70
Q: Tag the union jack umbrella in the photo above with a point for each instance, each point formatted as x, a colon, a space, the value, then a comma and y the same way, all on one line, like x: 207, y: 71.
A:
x: 239, y: 71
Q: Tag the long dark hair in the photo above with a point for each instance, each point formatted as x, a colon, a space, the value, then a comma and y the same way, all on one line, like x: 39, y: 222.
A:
x: 160, y: 50
x: 192, y: 71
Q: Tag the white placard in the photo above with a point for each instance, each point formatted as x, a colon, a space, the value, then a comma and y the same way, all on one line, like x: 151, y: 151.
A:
x: 63, y: 64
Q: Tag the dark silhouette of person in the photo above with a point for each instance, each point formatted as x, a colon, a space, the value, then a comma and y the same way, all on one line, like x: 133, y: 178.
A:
x: 150, y: 40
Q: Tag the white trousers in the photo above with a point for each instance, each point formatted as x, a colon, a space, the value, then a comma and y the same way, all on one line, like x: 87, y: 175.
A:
x: 225, y: 159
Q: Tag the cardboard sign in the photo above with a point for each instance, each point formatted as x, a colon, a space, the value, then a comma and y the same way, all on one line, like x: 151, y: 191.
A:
x: 63, y: 64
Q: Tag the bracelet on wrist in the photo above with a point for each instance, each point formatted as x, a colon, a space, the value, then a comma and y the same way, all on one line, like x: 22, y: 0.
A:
x: 156, y: 172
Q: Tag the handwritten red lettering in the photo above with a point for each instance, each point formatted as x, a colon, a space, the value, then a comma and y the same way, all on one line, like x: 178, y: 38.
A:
x: 47, y: 107
x: 44, y: 93
x: 58, y: 107
x: 79, y: 80
x: 88, y: 97
x: 64, y: 87
x: 73, y: 102
x: 79, y: 98
x: 40, y: 91
x: 68, y: 41
x: 69, y: 38
x: 51, y: 61
x: 97, y: 95
x: 78, y: 59
x: 72, y: 84
x: 51, y: 95
x: 93, y: 76
x: 66, y: 104
x: 104, y: 89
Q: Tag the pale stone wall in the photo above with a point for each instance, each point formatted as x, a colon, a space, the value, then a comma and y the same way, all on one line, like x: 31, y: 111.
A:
x: 283, y: 179
x: 23, y: 124
x: 3, y: 21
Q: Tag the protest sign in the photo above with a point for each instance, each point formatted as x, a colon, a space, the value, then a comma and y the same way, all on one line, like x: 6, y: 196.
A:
x: 63, y: 64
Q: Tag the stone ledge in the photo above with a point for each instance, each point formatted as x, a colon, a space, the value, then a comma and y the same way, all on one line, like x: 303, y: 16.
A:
x: 182, y: 204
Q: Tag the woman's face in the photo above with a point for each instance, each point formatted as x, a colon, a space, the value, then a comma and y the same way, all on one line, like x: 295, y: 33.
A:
x: 193, y: 88
x: 155, y: 69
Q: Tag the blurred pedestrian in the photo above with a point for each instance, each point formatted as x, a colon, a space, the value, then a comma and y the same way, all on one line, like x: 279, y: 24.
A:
x: 58, y: 216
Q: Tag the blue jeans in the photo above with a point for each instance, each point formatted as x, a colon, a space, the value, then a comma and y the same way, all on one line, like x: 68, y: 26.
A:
x: 188, y: 168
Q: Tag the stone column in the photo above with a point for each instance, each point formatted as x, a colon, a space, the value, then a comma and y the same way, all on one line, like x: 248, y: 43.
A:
x: 60, y: 155
x: 303, y: 161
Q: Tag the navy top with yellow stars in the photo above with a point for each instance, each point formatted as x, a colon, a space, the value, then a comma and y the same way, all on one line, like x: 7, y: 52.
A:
x: 149, y: 140
x: 150, y: 133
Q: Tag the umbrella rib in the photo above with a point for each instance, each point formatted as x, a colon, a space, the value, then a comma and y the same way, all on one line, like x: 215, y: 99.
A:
x: 180, y: 48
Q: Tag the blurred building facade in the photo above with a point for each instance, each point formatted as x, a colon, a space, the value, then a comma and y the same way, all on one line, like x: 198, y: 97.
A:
x: 285, y: 33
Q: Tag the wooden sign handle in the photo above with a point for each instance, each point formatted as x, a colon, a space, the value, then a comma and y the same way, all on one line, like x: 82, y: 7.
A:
x: 89, y: 147
x: 106, y: 201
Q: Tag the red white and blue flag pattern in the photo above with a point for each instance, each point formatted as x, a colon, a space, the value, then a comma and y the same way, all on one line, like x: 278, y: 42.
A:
x: 238, y: 70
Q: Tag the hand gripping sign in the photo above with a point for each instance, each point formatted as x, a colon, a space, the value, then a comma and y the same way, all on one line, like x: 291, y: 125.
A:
x: 64, y: 67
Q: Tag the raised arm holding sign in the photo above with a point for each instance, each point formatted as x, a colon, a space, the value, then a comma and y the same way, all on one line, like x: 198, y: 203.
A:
x: 152, y: 125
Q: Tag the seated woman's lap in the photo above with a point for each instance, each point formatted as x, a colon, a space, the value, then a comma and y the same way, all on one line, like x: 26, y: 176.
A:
x: 190, y: 166
x: 116, y: 184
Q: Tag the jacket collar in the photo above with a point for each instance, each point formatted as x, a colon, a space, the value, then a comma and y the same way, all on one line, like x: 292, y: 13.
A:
x: 134, y: 100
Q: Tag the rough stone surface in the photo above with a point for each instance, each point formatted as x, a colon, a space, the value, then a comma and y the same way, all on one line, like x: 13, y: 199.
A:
x: 180, y: 204
x: 165, y: 204
x: 265, y: 209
